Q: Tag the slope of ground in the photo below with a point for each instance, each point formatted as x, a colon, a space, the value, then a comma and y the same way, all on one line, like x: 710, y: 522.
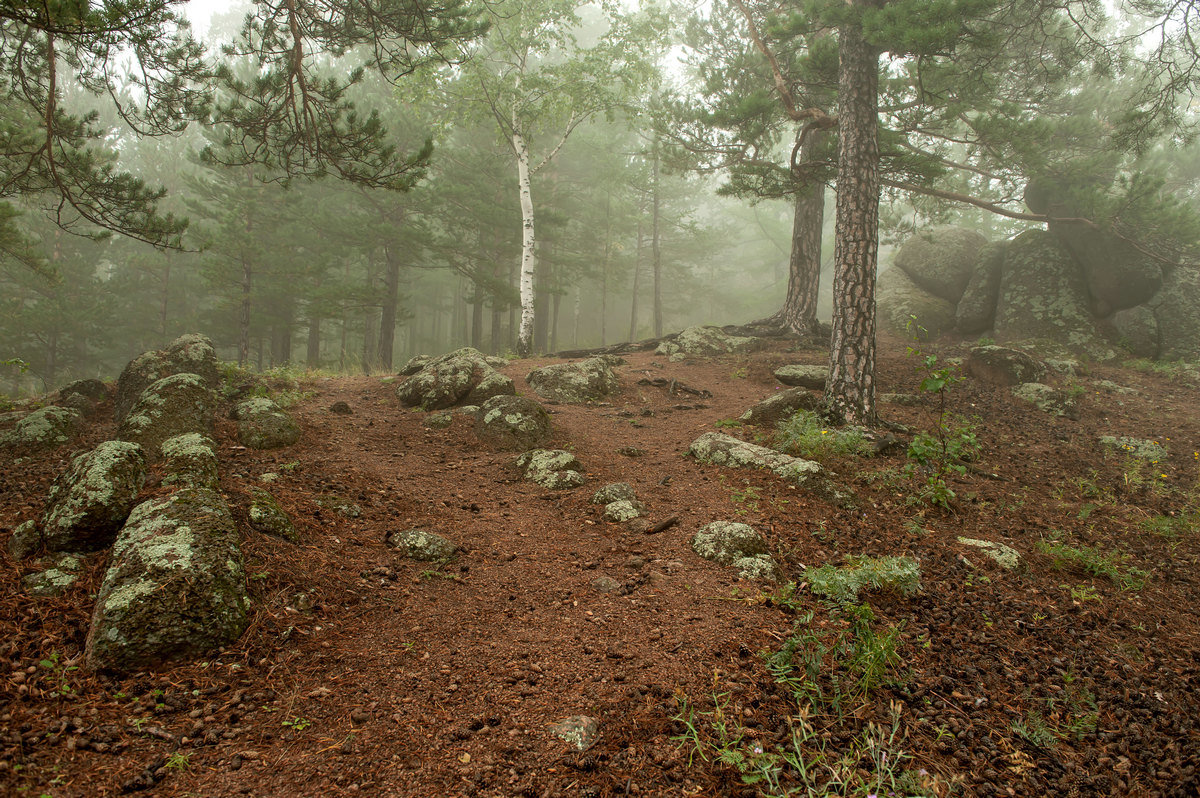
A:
x: 366, y: 673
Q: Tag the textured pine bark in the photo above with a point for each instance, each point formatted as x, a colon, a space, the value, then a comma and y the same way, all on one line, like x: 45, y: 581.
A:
x: 850, y: 389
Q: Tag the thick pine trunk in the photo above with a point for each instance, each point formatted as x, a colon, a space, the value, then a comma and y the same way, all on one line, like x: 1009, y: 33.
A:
x: 799, y: 312
x: 528, y: 246
x: 850, y: 389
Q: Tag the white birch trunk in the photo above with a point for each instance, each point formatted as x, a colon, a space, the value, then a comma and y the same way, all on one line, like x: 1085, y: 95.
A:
x: 528, y: 246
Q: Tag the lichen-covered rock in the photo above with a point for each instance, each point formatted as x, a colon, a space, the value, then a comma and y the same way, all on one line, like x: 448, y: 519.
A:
x: 422, y: 545
x: 82, y: 395
x: 900, y: 299
x: 1137, y: 331
x: 268, y: 517
x: 780, y: 407
x: 190, y: 459
x: 999, y: 365
x: 803, y: 376
x: 262, y: 424
x: 706, y: 341
x: 175, y: 587
x: 941, y: 261
x: 190, y: 354
x: 614, y: 492
x: 760, y: 567
x: 1043, y: 295
x: 463, y: 376
x: 174, y: 405
x: 90, y: 501
x: 26, y: 540
x: 1177, y: 312
x: 46, y: 428
x: 623, y: 510
x: 581, y: 731
x: 587, y: 381
x: 552, y: 468
x: 714, y: 447
x: 55, y: 580
x: 726, y: 541
x: 1005, y: 556
x: 513, y: 423
x: 415, y: 364
x: 1047, y: 398
x: 1142, y: 449
x: 439, y: 420
x: 976, y: 309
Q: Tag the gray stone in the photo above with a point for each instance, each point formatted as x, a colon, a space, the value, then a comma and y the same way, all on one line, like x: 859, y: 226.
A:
x: 513, y: 423
x: 92, y: 389
x: 614, y: 492
x: 268, y: 517
x: 460, y: 377
x: 780, y: 407
x: 341, y: 408
x: 1005, y: 556
x: 55, y: 580
x: 190, y: 459
x: 581, y: 731
x: 1137, y: 331
x: 725, y: 542
x: 174, y: 405
x: 999, y: 365
x: 415, y: 364
x: 1177, y: 312
x: 706, y: 341
x: 760, y: 567
x: 623, y: 510
x: 605, y: 584
x: 175, y: 587
x: 941, y: 261
x: 900, y: 299
x: 713, y: 447
x: 42, y: 429
x: 422, y: 545
x: 803, y: 376
x: 590, y: 380
x: 976, y: 309
x: 1047, y: 399
x: 439, y: 420
x: 552, y: 468
x: 26, y: 540
x: 90, y: 501
x: 262, y: 424
x: 190, y: 354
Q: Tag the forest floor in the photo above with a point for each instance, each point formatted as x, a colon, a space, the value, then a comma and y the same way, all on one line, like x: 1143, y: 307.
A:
x: 366, y: 673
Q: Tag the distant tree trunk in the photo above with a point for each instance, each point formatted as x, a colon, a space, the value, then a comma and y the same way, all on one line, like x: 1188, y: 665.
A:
x: 554, y: 304
x: 607, y: 262
x: 477, y: 317
x: 578, y: 310
x: 850, y: 389
x: 313, y: 355
x: 370, y: 340
x: 656, y: 251
x: 528, y: 245
x: 541, y: 302
x: 637, y: 276
x: 497, y: 328
x: 387, y: 316
x: 244, y: 317
x: 166, y: 296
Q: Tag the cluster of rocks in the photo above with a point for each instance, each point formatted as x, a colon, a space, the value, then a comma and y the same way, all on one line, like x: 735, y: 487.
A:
x: 737, y: 545
x: 1082, y: 290
x: 59, y: 422
x: 726, y: 450
x: 620, y: 502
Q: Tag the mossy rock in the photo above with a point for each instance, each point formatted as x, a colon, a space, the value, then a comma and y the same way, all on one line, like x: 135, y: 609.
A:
x: 727, y: 541
x: 941, y: 261
x: 1177, y: 314
x: 800, y: 375
x: 513, y: 423
x: 614, y: 492
x: 1151, y: 451
x: 268, y: 517
x: 340, y: 505
x: 759, y: 568
x: 174, y: 405
x: 82, y: 395
x: 1047, y: 398
x: 90, y: 501
x: 190, y: 354
x: 55, y: 580
x: 47, y: 428
x: 26, y: 540
x: 714, y: 447
x: 623, y: 510
x: 976, y: 309
x: 780, y: 407
x: 1000, y: 365
x: 175, y: 587
x: 707, y: 341
x: 900, y: 299
x: 262, y: 424
x: 555, y: 469
x: 420, y: 544
x: 463, y: 376
x: 590, y: 380
x: 191, y: 460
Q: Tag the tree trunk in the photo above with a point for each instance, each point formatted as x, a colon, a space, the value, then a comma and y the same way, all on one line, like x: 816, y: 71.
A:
x: 387, y: 317
x: 604, y: 271
x: 528, y: 246
x: 166, y: 296
x: 477, y: 317
x: 799, y: 312
x: 850, y: 389
x: 554, y: 305
x: 244, y: 317
x: 656, y: 251
x: 313, y: 356
x: 637, y: 274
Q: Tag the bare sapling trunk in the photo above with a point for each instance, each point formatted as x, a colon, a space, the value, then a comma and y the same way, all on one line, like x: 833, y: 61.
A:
x: 528, y: 247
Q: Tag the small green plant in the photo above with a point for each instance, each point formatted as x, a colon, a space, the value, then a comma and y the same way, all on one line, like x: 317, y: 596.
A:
x: 804, y: 435
x: 297, y: 723
x: 1082, y: 593
x: 60, y: 672
x: 1095, y: 562
x: 1173, y: 526
x: 178, y: 761
x: 1034, y: 730
x: 727, y: 423
x: 739, y: 374
x: 748, y: 496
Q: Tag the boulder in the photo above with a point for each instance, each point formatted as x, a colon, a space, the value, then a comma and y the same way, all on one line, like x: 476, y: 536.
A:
x: 1047, y: 399
x: 174, y: 405
x: 262, y: 424
x: 587, y: 381
x: 340, y: 505
x: 268, y: 517
x: 90, y: 501
x: 738, y: 545
x: 191, y: 354
x: 760, y: 567
x: 513, y: 423
x: 55, y: 580
x: 942, y: 261
x: 463, y: 376
x: 1177, y: 312
x: 175, y: 587
x: 1137, y: 331
x: 190, y: 459
x: 552, y: 468
x: 419, y: 544
x: 614, y: 492
x: 82, y: 395
x: 976, y: 309
x: 780, y: 407
x: 714, y: 447
x: 46, y: 428
x: 999, y: 365
x: 1043, y: 296
x: 802, y: 376
x: 705, y: 341
x: 899, y: 299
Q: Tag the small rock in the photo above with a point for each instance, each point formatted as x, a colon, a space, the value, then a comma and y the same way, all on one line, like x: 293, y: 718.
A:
x: 359, y: 717
x: 25, y: 541
x: 606, y: 584
x: 613, y: 492
x: 580, y: 731
x: 621, y: 511
x: 422, y: 545
x: 340, y: 409
x: 1006, y: 556
x: 630, y: 451
x: 811, y: 377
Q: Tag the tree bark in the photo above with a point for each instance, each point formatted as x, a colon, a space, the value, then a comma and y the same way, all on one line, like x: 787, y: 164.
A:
x: 528, y: 246
x: 244, y: 316
x: 799, y: 312
x: 312, y: 357
x: 656, y: 251
x: 637, y: 273
x: 850, y: 389
x: 387, y: 316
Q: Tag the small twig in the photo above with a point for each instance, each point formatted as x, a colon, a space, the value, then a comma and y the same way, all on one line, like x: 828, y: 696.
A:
x: 662, y: 526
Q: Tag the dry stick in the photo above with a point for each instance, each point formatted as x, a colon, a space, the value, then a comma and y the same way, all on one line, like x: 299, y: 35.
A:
x: 663, y: 525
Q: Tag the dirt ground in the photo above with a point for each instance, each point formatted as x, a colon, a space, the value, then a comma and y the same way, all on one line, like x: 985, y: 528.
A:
x: 366, y: 673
